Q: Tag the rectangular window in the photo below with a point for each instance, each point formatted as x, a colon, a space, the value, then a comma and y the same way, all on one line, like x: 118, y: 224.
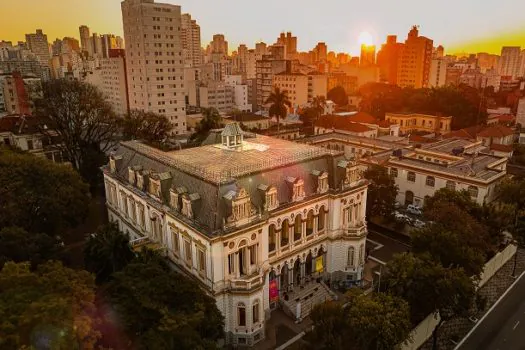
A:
x: 242, y: 316
x: 175, y: 243
x: 255, y: 312
x: 30, y: 145
x: 393, y: 172
x: 187, y: 251
x: 411, y: 176
x: 253, y: 254
x: 202, y: 261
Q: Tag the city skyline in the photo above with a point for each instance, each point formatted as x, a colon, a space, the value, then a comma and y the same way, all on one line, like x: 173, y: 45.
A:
x: 467, y: 30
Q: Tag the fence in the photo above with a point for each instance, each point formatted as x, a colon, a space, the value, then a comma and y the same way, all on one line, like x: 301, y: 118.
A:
x: 424, y: 329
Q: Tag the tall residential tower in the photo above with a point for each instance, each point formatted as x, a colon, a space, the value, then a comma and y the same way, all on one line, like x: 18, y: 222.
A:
x: 155, y: 66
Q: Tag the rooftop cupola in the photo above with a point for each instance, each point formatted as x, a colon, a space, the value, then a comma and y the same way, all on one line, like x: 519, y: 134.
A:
x: 232, y: 135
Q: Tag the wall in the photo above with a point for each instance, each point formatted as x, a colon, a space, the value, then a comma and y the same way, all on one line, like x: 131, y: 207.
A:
x: 424, y: 330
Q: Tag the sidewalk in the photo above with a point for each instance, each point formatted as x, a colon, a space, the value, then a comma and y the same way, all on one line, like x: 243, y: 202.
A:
x: 457, y: 328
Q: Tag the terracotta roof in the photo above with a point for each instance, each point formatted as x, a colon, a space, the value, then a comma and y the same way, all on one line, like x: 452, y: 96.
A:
x: 496, y: 131
x: 341, y: 123
x: 421, y: 139
x: 19, y: 124
x: 385, y: 123
x: 467, y: 133
x: 363, y: 117
x: 506, y: 118
x: 501, y: 148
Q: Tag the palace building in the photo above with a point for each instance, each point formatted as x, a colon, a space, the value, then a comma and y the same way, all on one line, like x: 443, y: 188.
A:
x: 258, y: 221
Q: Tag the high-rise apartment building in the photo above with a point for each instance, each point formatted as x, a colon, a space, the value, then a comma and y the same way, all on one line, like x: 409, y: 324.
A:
x: 191, y: 41
x: 261, y: 48
x: 154, y: 63
x: 438, y: 72
x: 219, y: 45
x: 387, y: 59
x: 38, y: 44
x: 368, y: 55
x: 415, y: 61
x: 289, y: 42
x: 509, y: 62
x: 114, y: 82
x: 320, y: 52
x: 520, y: 114
x: 85, y: 42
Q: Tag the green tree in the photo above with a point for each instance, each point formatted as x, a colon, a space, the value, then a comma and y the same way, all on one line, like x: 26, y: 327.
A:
x: 279, y: 103
x: 448, y: 292
x: 338, y: 96
x: 368, y: 322
x: 382, y: 192
x: 329, y: 325
x: 450, y: 247
x: 107, y: 251
x: 51, y: 308
x: 161, y: 309
x: 147, y: 126
x: 82, y: 118
x: 318, y: 104
x: 211, y: 119
x: 40, y: 196
x: 18, y: 245
x: 378, y: 321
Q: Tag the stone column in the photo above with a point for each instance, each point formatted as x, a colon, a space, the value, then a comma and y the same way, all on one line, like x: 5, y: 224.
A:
x: 290, y: 276
x: 237, y: 265
x: 303, y: 272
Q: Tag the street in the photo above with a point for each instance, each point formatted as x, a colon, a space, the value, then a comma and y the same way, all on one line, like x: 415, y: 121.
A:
x: 504, y: 327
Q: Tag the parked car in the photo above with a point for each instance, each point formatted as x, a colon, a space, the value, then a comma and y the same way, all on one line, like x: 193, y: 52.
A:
x: 401, y: 217
x: 413, y: 209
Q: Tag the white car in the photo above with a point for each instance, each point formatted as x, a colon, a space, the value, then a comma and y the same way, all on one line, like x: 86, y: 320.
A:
x: 418, y: 223
x: 413, y: 209
x: 400, y: 217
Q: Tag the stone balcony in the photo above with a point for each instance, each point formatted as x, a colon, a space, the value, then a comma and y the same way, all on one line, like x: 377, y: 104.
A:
x: 241, y: 284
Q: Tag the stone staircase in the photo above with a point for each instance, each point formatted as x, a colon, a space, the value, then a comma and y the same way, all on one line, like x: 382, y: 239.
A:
x: 310, y: 295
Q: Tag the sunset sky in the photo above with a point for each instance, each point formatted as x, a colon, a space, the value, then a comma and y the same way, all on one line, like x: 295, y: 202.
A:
x: 459, y: 25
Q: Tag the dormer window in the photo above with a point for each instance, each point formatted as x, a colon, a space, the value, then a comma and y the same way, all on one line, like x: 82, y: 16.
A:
x: 322, y: 181
x: 241, y: 205
x: 114, y: 161
x: 131, y: 176
x: 271, y: 202
x: 351, y: 171
x: 188, y: 201
x: 174, y: 199
x: 297, y: 188
x: 154, y: 188
x: 140, y: 181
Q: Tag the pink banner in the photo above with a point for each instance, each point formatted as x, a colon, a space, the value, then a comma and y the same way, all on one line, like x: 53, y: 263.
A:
x: 274, y: 290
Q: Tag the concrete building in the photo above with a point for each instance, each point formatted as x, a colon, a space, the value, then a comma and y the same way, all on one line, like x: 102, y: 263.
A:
x: 155, y: 67
x: 20, y: 93
x: 114, y: 81
x: 85, y: 40
x: 509, y: 62
x: 368, y: 55
x: 297, y: 86
x: 266, y: 68
x: 191, y: 41
x: 520, y: 114
x: 455, y: 164
x: 415, y: 61
x: 334, y: 123
x: 218, y: 95
x: 240, y: 93
x: 38, y: 44
x: 260, y: 223
x: 23, y: 132
x: 415, y: 122
x: 219, y: 45
x: 289, y: 42
x: 438, y: 73
x: 387, y: 59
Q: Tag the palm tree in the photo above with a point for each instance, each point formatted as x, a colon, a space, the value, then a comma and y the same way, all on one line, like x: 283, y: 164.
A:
x: 107, y: 251
x: 318, y: 104
x: 279, y: 102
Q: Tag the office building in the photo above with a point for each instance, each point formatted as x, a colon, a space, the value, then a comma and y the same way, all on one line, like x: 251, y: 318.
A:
x: 154, y: 63
x: 387, y: 59
x: 191, y: 41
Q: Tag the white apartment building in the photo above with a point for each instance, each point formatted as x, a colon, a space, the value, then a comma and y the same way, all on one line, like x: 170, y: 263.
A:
x: 114, y: 83
x: 509, y: 62
x: 455, y: 164
x: 240, y: 93
x: 317, y: 85
x: 191, y: 41
x: 216, y: 95
x: 302, y: 88
x: 257, y: 221
x: 438, y: 72
x: 155, y: 65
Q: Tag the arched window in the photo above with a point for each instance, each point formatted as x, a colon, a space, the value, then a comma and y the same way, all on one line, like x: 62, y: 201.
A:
x: 351, y: 257
x: 271, y: 238
x: 321, y: 218
x: 451, y: 185
x: 409, y: 197
x: 285, y: 233
x: 241, y: 315
x: 310, y: 223
x: 431, y: 181
x: 362, y: 254
x: 298, y: 228
x: 473, y: 191
x: 411, y: 176
x: 255, y: 312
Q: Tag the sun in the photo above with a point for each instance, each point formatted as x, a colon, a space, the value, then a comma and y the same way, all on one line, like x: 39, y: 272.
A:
x: 365, y: 38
